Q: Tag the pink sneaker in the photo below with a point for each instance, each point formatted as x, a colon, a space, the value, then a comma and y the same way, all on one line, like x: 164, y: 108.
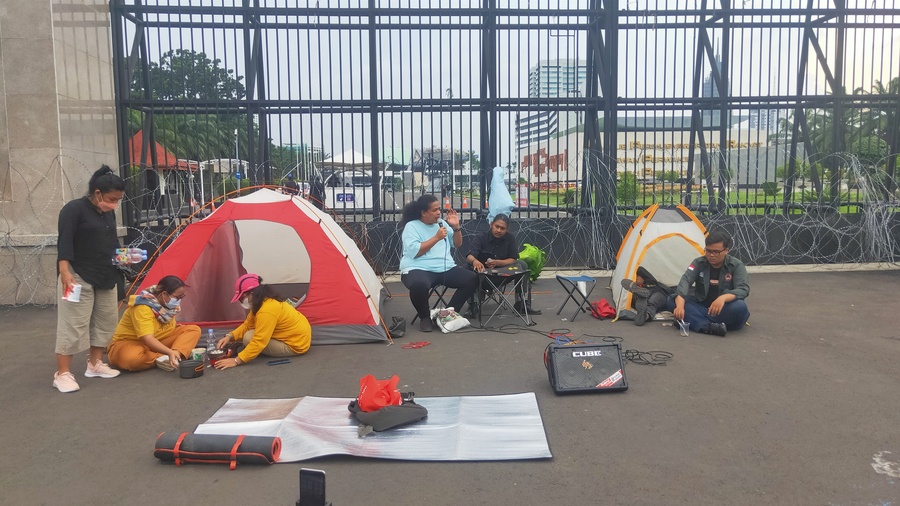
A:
x: 100, y: 370
x: 65, y: 382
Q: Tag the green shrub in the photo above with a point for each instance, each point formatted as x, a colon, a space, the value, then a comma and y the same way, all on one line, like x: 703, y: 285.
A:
x: 769, y: 188
x: 626, y: 188
x: 669, y: 176
x: 813, y: 196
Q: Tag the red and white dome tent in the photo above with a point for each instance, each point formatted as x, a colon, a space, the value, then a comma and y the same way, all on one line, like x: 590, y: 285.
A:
x: 293, y: 246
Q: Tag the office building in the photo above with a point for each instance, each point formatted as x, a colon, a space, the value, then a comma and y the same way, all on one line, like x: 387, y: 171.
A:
x: 549, y: 79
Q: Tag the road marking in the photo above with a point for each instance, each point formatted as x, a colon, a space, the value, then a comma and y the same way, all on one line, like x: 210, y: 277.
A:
x: 884, y: 466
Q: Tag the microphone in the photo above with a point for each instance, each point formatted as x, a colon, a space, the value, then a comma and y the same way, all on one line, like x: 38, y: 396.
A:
x: 444, y: 226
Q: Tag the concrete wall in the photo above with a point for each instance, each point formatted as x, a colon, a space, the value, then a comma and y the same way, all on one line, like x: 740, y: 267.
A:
x: 57, y: 125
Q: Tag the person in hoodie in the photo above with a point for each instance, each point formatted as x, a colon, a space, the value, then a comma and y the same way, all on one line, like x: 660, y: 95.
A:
x: 273, y: 327
x: 148, y: 331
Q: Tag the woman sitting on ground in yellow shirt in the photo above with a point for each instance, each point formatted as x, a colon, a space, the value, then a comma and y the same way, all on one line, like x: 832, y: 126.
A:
x: 273, y: 327
x: 147, y: 330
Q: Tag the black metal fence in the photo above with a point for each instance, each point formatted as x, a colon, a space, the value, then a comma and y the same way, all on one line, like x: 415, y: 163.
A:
x: 731, y: 108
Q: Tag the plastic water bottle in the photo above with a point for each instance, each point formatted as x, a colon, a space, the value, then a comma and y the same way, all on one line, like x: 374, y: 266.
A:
x: 210, y: 340
x: 137, y: 255
x: 125, y: 256
x: 210, y: 346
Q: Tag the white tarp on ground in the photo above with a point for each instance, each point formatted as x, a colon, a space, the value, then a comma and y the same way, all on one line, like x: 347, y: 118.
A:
x: 492, y: 427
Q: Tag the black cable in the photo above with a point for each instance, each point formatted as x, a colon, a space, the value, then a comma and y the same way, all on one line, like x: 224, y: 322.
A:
x: 648, y: 357
x: 562, y: 336
x: 606, y: 339
x: 507, y: 329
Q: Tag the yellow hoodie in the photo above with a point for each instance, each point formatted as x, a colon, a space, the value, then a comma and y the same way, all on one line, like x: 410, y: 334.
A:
x: 274, y: 320
x: 140, y: 321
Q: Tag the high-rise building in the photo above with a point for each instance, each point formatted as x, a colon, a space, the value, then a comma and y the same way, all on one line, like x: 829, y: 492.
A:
x: 535, y: 127
x: 305, y: 158
x: 549, y: 79
x: 764, y: 119
x: 556, y: 78
x: 711, y: 113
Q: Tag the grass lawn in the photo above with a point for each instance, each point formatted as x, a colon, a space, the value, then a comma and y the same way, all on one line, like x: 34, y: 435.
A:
x: 743, y: 201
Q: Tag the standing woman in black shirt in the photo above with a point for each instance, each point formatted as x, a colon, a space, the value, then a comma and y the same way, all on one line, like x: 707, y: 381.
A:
x: 86, y: 247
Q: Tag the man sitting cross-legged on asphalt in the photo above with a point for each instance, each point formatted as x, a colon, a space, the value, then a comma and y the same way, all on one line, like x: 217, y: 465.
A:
x: 711, y: 293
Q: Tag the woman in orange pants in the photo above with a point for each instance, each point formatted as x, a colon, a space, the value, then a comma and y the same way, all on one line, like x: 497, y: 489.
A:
x: 148, y: 331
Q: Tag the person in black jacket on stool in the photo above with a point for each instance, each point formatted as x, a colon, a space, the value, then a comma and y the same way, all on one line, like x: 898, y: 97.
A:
x: 497, y: 248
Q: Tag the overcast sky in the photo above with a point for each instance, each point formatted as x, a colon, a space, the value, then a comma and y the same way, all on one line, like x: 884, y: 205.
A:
x: 654, y: 62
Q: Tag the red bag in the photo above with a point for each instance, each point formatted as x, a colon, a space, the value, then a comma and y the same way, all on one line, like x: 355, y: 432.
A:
x: 601, y: 309
x: 375, y: 394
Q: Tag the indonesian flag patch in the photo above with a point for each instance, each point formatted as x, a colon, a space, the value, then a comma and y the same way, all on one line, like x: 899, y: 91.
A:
x: 691, y: 267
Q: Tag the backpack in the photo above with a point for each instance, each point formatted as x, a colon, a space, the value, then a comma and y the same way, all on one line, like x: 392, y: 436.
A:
x: 601, y: 309
x: 380, y: 406
x: 535, y: 258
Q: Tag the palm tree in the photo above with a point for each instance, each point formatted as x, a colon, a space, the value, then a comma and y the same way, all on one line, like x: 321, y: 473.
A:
x: 882, y: 118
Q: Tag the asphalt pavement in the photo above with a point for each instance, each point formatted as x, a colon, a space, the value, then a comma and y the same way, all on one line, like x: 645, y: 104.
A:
x: 801, y: 407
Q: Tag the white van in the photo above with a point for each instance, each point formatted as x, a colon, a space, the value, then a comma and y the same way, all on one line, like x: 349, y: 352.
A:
x: 351, y: 190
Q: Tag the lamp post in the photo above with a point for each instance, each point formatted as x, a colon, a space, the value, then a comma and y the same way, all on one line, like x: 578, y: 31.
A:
x: 449, y: 93
x: 237, y: 160
x: 202, y: 195
x: 577, y: 93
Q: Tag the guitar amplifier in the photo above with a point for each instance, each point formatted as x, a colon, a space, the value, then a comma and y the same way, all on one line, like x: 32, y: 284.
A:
x: 595, y: 368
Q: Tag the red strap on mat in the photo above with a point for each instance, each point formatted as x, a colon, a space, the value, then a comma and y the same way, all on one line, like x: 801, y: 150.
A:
x: 234, y: 450
x: 177, y: 446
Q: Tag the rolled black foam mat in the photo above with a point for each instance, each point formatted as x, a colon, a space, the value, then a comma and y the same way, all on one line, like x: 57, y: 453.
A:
x: 182, y: 447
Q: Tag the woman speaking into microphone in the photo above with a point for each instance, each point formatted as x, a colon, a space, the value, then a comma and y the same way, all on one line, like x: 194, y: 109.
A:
x: 427, y: 260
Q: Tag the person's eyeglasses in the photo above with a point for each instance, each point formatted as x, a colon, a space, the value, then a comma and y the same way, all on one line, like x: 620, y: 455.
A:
x: 715, y: 252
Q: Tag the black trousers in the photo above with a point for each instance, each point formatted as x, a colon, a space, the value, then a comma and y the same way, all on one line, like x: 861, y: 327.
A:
x: 420, y: 282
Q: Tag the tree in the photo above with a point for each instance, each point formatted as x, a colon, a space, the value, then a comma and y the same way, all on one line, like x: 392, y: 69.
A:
x: 474, y: 162
x: 626, y: 188
x: 769, y: 188
x: 871, y: 151
x: 669, y: 176
x: 783, y: 132
x: 182, y: 74
x: 881, y: 119
x: 820, y: 123
x: 194, y: 136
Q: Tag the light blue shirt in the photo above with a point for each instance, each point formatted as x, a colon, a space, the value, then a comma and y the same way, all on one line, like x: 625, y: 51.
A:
x: 438, y: 259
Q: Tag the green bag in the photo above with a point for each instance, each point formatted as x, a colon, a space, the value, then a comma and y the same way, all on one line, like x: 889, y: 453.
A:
x: 535, y: 258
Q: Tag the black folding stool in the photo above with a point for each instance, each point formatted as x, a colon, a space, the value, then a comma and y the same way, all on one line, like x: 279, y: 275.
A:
x: 570, y: 285
x: 438, y: 290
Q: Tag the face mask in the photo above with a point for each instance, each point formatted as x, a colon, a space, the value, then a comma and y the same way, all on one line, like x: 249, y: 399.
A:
x: 246, y: 305
x: 173, y: 303
x: 107, y: 204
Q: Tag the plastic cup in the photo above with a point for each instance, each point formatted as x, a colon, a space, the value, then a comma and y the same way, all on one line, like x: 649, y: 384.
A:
x: 684, y: 328
x: 582, y: 287
x: 74, y: 294
x: 197, y: 354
